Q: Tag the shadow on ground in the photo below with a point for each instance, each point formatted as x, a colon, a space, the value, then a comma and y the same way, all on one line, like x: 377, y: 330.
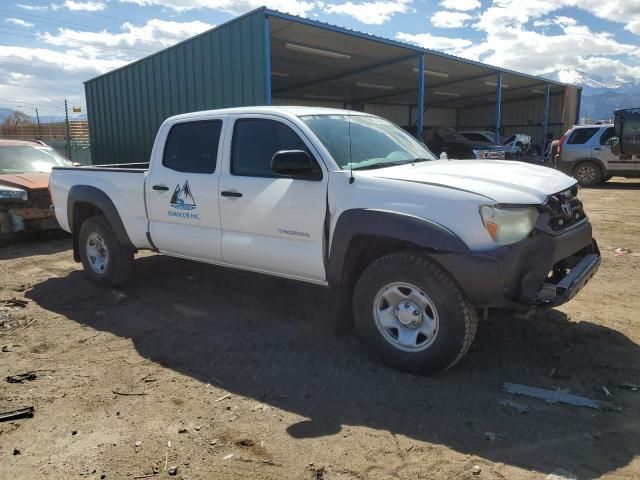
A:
x: 617, y: 185
x: 27, y: 245
x: 267, y: 338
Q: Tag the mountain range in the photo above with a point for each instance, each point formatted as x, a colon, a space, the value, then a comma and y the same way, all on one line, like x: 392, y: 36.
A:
x: 600, y: 95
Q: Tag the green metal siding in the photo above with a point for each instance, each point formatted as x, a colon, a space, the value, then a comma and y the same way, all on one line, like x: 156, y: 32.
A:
x: 224, y: 67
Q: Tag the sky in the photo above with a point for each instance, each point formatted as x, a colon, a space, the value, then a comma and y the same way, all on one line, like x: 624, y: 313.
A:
x: 48, y: 48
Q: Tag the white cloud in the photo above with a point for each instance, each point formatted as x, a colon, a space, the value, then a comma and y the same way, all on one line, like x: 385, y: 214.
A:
x: 133, y: 41
x: 86, y: 6
x: 18, y: 21
x: 455, y: 46
x: 463, y: 5
x: 371, y: 13
x: 234, y: 7
x: 33, y: 8
x: 445, y: 19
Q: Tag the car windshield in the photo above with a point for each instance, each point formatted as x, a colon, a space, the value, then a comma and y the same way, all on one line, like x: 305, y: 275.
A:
x: 30, y: 159
x: 363, y: 142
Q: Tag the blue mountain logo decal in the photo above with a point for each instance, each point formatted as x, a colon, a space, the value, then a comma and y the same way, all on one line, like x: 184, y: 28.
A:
x: 182, y: 198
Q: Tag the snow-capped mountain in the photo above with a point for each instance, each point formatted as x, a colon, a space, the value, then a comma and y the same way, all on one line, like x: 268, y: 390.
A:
x: 600, y: 95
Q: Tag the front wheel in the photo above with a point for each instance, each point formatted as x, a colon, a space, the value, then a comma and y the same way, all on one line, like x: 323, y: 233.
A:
x: 105, y: 260
x: 412, y: 313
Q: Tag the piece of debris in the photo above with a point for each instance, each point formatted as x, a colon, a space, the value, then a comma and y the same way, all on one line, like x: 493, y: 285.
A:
x: 606, y: 392
x: 173, y: 470
x: 22, y: 377
x: 155, y: 470
x: 14, y: 302
x: 224, y: 397
x: 555, y: 396
x: 227, y: 457
x: 519, y: 407
x: 245, y: 442
x: 476, y: 470
x: 116, y: 392
x: 74, y: 432
x: 561, y: 474
x: 621, y: 251
x: 183, y: 430
x: 26, y: 412
x: 138, y: 443
x: 198, y: 427
x: 628, y: 386
x: 213, y: 442
x: 16, y: 451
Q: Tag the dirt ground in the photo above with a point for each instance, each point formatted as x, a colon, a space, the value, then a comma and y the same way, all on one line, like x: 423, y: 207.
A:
x: 231, y: 375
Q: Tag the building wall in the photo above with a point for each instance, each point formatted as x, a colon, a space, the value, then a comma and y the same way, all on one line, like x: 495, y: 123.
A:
x: 220, y: 68
x: 523, y: 116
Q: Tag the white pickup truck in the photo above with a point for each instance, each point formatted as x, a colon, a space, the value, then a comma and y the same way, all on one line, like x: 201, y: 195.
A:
x: 412, y: 247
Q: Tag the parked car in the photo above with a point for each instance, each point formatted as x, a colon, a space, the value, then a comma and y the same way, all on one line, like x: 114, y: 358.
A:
x: 520, y: 147
x: 410, y: 245
x: 585, y: 153
x: 456, y: 146
x: 24, y: 178
x: 481, y: 136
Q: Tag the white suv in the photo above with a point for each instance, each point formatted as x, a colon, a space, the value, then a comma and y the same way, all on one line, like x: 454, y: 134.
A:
x: 584, y: 152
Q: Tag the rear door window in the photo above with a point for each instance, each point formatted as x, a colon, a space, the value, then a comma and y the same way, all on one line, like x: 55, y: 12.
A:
x: 192, y: 147
x: 582, y: 135
x: 608, y: 133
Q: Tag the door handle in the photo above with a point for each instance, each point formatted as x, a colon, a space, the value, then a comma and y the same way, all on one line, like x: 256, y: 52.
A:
x: 162, y: 188
x: 598, y: 148
x: 227, y: 193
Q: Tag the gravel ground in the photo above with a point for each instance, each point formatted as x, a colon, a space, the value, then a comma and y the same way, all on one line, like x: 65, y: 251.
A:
x: 229, y: 375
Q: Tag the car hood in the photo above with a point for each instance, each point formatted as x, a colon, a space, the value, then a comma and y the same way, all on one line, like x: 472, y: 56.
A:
x: 28, y: 181
x: 501, y: 181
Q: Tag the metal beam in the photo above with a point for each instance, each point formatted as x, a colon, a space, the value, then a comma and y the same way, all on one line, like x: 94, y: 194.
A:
x: 339, y: 76
x: 413, y: 90
x: 545, y: 121
x: 267, y: 60
x: 498, y: 106
x: 420, y: 112
x: 472, y: 97
x: 579, y: 100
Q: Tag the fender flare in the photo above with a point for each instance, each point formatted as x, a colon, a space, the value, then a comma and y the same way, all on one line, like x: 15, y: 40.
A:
x: 96, y: 197
x: 390, y: 224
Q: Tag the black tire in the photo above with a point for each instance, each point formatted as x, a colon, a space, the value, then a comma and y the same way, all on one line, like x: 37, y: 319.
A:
x: 457, y: 319
x: 119, y: 267
x: 588, y: 174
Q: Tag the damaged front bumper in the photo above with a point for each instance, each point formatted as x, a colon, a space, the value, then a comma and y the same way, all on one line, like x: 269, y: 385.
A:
x: 23, y: 217
x: 545, y: 270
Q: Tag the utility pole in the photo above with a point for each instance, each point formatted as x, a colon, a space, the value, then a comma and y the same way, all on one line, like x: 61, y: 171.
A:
x: 66, y: 128
x: 38, y: 119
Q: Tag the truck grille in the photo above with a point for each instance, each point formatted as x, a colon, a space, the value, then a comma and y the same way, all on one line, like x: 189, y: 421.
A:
x: 39, y: 198
x: 565, y: 209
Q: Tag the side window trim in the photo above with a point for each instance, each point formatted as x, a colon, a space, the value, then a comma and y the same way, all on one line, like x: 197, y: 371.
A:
x: 232, y: 137
x: 221, y: 134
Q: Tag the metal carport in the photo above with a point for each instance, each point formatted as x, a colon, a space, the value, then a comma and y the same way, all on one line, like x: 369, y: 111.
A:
x: 268, y: 57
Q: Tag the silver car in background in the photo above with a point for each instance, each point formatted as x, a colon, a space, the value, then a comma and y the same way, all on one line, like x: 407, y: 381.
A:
x: 584, y: 152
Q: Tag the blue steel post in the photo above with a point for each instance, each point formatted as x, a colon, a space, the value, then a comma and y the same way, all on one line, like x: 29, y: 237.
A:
x: 545, y: 120
x: 498, y: 106
x: 267, y: 60
x: 420, y: 112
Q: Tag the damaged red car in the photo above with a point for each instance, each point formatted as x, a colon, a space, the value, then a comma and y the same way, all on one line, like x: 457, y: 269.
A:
x: 24, y: 182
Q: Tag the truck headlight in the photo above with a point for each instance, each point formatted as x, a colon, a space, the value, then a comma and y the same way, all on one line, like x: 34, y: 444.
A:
x: 508, y: 225
x: 12, y: 193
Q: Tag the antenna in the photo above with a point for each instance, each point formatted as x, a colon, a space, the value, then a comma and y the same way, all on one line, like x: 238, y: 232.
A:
x: 351, y: 179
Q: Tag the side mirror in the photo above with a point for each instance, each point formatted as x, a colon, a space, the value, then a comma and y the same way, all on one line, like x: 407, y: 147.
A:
x: 295, y: 164
x: 76, y: 164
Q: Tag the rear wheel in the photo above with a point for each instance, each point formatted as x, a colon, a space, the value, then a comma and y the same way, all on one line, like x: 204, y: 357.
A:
x: 588, y: 174
x: 105, y: 260
x: 412, y: 313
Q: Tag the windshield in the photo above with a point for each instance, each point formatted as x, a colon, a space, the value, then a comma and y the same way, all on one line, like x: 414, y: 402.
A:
x: 30, y: 159
x: 375, y: 142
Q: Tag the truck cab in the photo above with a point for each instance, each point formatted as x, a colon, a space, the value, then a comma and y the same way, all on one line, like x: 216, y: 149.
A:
x: 412, y: 247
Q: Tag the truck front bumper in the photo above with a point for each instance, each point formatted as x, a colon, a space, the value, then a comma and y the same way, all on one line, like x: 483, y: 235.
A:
x: 544, y: 270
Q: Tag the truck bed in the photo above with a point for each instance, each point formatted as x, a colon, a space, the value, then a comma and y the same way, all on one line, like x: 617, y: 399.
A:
x: 124, y: 184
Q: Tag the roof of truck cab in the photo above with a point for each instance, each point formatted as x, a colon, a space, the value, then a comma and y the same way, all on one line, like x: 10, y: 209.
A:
x: 290, y: 110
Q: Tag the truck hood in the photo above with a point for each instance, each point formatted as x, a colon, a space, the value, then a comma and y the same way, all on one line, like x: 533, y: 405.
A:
x: 28, y: 181
x: 501, y: 181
